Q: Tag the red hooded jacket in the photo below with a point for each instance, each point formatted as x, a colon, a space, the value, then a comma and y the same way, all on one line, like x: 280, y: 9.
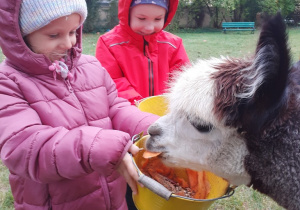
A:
x: 140, y: 65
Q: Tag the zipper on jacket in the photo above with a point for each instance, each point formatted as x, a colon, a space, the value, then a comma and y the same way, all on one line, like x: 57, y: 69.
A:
x: 69, y: 86
x: 150, y: 68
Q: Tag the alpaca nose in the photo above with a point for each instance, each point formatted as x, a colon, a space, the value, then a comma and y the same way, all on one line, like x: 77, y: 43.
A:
x: 154, y: 130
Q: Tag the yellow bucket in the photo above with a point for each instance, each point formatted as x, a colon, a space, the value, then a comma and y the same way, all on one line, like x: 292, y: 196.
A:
x: 148, y: 199
x: 155, y: 104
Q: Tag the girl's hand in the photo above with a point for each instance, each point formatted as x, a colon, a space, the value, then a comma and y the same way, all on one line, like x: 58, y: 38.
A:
x: 128, y: 170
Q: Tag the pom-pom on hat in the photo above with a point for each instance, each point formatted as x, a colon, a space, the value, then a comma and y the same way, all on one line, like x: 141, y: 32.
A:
x: 35, y: 14
x: 161, y: 3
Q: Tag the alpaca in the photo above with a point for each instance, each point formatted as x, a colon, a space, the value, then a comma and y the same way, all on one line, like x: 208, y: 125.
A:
x: 238, y: 118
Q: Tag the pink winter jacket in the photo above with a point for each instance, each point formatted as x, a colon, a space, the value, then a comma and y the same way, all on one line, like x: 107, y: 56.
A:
x: 61, y: 140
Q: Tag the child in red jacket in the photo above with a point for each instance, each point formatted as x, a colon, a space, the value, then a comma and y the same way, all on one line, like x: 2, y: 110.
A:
x: 137, y: 53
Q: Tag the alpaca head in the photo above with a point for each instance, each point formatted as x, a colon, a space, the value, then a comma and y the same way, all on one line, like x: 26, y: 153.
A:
x: 238, y: 118
x: 192, y: 134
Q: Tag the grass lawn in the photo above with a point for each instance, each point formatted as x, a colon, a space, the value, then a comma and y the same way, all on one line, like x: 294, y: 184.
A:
x: 213, y: 43
x: 203, y: 45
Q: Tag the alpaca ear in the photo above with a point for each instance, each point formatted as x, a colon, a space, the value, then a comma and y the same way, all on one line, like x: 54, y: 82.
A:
x: 269, y: 76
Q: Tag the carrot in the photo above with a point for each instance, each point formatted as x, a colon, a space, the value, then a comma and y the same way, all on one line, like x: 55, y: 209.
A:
x: 198, y: 183
x: 201, y: 191
x: 144, y: 163
x: 193, y: 179
x: 148, y: 154
x: 161, y: 168
x: 207, y: 185
x: 181, y: 182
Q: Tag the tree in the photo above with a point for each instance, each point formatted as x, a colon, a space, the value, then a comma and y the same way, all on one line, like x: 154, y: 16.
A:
x: 93, y: 16
x: 241, y: 10
x: 213, y: 7
x: 113, y: 14
x: 197, y: 12
x: 271, y: 7
x: 251, y: 10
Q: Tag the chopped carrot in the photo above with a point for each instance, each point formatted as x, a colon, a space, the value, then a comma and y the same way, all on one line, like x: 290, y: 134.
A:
x: 144, y: 163
x: 181, y: 182
x: 192, y: 178
x: 161, y: 168
x: 198, y: 183
x: 201, y: 192
x: 148, y: 154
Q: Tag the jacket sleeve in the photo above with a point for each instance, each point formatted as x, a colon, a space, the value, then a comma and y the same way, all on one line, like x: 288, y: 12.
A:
x: 110, y: 63
x: 124, y: 116
x: 46, y: 154
x: 179, y: 58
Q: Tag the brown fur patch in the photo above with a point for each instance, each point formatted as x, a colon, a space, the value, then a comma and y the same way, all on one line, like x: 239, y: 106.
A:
x: 228, y: 82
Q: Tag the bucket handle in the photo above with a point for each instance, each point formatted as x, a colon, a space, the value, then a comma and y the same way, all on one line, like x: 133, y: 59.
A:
x: 230, y: 191
x: 155, y: 187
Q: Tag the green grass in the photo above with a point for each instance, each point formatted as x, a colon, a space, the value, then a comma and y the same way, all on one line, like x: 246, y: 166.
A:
x: 245, y: 198
x: 1, y: 55
x: 203, y: 45
x: 6, y: 199
x: 234, y: 44
x: 89, y: 43
x: 214, y: 44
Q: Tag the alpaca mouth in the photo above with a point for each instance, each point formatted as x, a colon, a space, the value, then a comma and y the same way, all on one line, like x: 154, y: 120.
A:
x: 151, y: 148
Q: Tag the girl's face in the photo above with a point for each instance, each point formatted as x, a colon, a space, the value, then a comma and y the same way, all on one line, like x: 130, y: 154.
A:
x: 146, y: 19
x: 56, y: 38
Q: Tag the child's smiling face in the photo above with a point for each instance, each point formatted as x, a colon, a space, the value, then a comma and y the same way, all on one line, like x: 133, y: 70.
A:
x: 56, y: 38
x: 146, y: 19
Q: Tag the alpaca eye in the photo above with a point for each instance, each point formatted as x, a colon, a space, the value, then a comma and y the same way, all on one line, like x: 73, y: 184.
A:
x: 202, y: 127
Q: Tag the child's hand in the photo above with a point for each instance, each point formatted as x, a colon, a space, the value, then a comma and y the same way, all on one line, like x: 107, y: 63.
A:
x: 128, y: 170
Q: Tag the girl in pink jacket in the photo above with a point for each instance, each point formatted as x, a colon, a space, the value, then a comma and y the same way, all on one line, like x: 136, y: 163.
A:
x: 65, y: 134
x: 138, y: 54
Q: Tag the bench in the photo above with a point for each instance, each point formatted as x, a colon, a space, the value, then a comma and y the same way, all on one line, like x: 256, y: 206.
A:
x: 238, y: 26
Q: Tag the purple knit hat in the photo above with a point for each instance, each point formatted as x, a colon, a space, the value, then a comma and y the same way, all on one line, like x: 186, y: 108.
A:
x: 161, y: 3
